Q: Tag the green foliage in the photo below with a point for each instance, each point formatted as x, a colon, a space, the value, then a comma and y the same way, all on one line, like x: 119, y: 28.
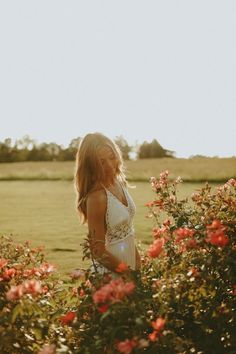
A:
x: 31, y: 299
x: 195, y: 271
x: 182, y: 300
x: 187, y: 281
x: 26, y: 149
x: 153, y: 150
x: 125, y: 148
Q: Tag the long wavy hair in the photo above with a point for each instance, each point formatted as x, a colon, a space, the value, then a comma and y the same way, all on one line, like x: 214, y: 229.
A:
x: 89, y: 171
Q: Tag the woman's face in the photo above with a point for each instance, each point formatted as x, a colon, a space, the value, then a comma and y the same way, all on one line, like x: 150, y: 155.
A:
x: 108, y: 161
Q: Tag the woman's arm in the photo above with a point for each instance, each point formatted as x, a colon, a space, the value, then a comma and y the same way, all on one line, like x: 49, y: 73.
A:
x: 96, y: 210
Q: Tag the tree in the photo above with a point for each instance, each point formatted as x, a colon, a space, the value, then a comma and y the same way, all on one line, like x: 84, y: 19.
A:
x: 153, y: 150
x: 125, y: 148
x: 69, y: 153
x: 5, y: 150
x: 25, y: 143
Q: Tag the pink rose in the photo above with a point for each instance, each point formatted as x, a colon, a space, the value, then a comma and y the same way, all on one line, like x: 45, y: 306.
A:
x: 158, y: 324
x: 156, y: 248
x: 216, y: 234
x: 126, y: 346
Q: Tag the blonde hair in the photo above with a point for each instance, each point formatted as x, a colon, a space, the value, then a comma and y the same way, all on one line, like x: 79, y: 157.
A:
x: 89, y: 171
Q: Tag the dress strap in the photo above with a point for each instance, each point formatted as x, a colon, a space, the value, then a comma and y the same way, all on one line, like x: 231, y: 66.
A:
x: 103, y: 186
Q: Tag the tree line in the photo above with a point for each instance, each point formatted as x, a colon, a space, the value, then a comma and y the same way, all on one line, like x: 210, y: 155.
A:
x: 26, y: 149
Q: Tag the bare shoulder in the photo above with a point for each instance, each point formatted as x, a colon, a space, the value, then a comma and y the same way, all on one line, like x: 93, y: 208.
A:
x: 97, y: 200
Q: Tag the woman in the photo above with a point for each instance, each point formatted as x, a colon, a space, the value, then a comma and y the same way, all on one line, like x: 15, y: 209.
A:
x: 105, y: 204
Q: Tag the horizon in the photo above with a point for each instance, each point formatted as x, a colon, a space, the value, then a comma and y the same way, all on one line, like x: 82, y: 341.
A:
x: 132, y: 154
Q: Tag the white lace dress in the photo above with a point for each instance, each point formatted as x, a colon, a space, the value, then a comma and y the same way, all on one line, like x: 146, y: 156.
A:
x: 119, y: 238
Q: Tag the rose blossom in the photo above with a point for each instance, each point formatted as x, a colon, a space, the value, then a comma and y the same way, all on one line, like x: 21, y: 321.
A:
x: 153, y: 336
x: 126, y: 346
x: 103, y: 294
x: 32, y: 287
x: 178, y: 180
x: 164, y: 174
x: 88, y: 284
x: 68, y: 318
x: 9, y: 273
x: 153, y: 181
x: 196, y: 197
x: 114, y: 291
x: 158, y: 324
x: 122, y: 289
x: 216, y: 234
x: 156, y: 248
x: 192, y: 243
x: 46, y: 268
x: 27, y: 273
x: 77, y: 274
x: 166, y: 223
x: 157, y: 232
x: 122, y: 267
x: 182, y: 233
x: 218, y: 239
x: 82, y: 293
x: 15, y: 293
x: 103, y: 308
x: 216, y: 224
x: 232, y: 182
x: 27, y: 287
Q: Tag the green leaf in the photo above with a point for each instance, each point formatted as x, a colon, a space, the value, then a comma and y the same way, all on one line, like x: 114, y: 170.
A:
x: 16, y: 312
x: 105, y: 315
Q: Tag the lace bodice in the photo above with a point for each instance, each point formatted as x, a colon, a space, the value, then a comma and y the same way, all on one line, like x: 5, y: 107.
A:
x: 119, y: 217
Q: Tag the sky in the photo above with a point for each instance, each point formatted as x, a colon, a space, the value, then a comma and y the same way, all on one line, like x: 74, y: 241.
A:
x: 145, y: 70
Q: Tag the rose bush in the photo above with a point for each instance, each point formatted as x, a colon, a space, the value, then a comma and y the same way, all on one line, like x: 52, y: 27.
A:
x: 193, y: 271
x: 32, y: 300
x: 182, y: 300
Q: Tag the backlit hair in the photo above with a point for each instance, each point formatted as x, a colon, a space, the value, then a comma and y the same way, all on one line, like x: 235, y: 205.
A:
x: 89, y: 171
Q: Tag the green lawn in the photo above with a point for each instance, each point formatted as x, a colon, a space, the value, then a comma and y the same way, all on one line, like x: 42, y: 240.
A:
x: 44, y: 213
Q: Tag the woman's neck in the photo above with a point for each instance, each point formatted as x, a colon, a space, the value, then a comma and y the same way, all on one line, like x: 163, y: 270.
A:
x: 110, y: 182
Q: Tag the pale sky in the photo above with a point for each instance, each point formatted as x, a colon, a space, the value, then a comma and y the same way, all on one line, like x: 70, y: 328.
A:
x: 141, y: 69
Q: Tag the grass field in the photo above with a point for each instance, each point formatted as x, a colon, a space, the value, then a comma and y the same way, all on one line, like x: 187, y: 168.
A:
x: 191, y: 170
x: 38, y: 200
x: 44, y: 213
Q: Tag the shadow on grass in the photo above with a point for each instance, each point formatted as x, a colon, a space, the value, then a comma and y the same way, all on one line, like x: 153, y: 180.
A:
x: 63, y: 250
